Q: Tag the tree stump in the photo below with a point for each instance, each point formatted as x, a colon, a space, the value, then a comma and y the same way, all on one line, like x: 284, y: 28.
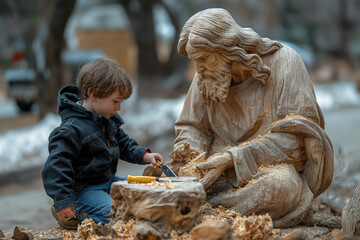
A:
x: 174, y: 205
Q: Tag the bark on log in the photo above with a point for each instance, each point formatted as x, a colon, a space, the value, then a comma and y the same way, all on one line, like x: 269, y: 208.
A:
x: 212, y: 230
x: 301, y: 232
x: 295, y: 235
x: 331, y: 222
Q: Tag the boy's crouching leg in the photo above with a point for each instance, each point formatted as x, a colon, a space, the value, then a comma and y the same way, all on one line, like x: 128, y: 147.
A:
x: 94, y: 204
x: 98, y: 215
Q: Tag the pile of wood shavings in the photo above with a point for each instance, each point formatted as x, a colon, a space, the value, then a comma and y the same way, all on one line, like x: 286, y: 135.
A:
x: 126, y: 229
x: 256, y: 227
x: 67, y: 235
x: 193, y: 155
x: 86, y: 231
x: 48, y: 234
x: 190, y: 170
x: 220, y: 213
x: 166, y: 184
x: 175, y: 235
x: 184, y: 154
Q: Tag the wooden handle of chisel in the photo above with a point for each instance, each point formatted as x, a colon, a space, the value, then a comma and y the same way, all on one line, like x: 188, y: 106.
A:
x: 141, y: 179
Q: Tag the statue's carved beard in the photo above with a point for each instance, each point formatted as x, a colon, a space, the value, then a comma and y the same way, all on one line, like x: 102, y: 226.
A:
x: 214, y: 85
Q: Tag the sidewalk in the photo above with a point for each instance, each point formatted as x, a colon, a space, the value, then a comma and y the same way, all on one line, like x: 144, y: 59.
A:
x: 30, y: 209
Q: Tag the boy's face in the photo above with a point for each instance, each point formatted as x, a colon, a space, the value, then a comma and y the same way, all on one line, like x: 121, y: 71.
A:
x: 107, y: 106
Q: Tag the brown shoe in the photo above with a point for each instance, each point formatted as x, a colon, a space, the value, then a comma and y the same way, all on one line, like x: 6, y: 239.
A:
x: 65, y: 222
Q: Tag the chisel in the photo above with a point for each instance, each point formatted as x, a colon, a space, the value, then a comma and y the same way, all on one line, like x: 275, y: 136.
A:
x: 148, y: 179
x: 168, y: 172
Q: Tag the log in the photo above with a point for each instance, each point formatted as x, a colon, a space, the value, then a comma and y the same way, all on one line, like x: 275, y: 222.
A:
x: 303, y: 233
x: 350, y: 217
x: 295, y: 235
x: 332, y: 222
x: 173, y: 205
x: 212, y: 230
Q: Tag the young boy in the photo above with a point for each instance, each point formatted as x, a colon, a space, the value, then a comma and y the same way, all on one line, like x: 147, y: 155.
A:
x: 85, y: 148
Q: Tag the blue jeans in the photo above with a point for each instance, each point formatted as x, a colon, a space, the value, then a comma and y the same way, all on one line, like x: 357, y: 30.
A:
x: 95, y: 201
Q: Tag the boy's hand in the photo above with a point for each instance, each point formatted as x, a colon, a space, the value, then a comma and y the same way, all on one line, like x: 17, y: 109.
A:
x: 151, y: 158
x: 67, y: 212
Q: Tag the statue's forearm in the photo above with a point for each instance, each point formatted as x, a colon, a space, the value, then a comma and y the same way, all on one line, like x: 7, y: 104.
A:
x: 193, y: 136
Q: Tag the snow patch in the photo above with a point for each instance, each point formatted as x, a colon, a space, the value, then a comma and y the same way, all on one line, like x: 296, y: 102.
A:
x: 332, y: 96
x: 26, y: 147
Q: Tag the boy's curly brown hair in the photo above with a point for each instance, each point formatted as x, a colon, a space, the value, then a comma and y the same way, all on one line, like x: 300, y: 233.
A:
x: 103, y: 76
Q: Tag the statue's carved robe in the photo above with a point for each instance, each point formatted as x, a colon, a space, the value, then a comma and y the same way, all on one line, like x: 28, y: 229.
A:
x: 297, y: 148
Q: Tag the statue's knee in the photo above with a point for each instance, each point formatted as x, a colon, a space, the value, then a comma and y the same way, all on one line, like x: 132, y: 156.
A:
x: 283, y: 187
x: 286, y: 178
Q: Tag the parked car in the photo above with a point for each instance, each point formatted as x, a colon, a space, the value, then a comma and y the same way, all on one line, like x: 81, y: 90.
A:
x: 20, y: 85
x: 20, y: 82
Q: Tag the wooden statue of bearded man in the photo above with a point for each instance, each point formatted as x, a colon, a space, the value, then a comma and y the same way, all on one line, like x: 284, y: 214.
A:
x: 252, y: 109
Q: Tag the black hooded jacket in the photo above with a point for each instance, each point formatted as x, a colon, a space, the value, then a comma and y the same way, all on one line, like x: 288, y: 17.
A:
x: 84, y: 150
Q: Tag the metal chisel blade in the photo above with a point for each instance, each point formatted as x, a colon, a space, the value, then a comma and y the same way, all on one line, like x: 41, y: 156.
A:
x: 168, y: 172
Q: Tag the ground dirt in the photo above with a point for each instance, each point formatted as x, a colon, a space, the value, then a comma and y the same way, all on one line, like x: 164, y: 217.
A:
x: 27, y: 205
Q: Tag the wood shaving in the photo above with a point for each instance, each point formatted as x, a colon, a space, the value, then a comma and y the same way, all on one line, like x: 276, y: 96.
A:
x: 220, y: 213
x: 126, y: 229
x: 184, y: 154
x: 166, y: 184
x: 291, y: 115
x: 194, y: 155
x: 86, y: 230
x: 174, y: 235
x: 67, y: 235
x: 190, y: 170
x: 256, y: 227
x: 264, y: 168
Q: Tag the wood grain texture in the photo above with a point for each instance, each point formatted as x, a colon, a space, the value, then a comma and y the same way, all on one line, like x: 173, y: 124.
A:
x: 175, y: 205
x: 350, y: 217
x: 253, y: 98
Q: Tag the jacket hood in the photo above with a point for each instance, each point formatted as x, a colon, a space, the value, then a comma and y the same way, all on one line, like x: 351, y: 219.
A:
x: 70, y: 107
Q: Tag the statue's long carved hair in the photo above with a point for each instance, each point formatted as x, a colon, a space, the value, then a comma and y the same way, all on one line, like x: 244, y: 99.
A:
x: 214, y: 29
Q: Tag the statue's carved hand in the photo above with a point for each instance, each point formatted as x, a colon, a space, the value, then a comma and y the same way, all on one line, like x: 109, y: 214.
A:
x: 215, y: 167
